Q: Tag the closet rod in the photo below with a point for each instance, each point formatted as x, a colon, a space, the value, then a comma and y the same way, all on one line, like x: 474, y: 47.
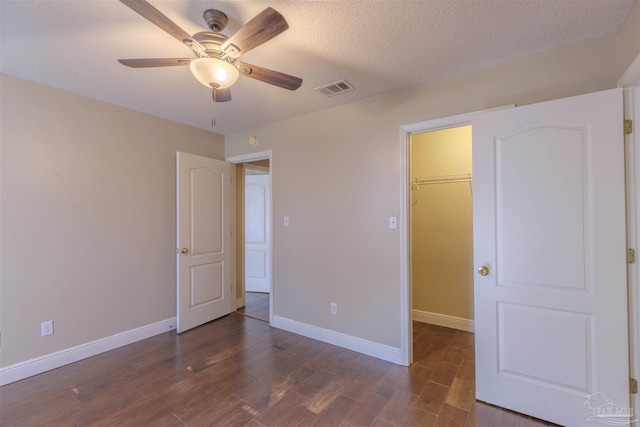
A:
x: 441, y: 180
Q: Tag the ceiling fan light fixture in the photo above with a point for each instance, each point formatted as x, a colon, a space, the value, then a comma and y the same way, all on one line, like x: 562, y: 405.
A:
x: 214, y: 73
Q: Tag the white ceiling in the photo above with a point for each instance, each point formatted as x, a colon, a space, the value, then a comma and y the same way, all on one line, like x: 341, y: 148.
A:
x: 377, y: 46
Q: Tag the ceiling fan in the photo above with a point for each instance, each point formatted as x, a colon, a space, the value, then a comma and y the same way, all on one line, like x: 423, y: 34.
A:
x: 217, y: 65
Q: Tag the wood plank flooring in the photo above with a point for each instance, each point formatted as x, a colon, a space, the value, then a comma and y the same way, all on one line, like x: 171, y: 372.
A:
x: 238, y: 371
x: 256, y: 305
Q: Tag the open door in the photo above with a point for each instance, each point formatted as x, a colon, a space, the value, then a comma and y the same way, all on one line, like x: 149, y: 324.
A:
x: 550, y: 249
x: 203, y: 238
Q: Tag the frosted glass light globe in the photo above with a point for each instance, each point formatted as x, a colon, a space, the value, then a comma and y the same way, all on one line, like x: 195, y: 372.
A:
x: 214, y: 73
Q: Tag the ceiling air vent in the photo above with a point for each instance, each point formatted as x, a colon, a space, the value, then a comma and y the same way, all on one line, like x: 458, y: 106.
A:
x: 335, y: 88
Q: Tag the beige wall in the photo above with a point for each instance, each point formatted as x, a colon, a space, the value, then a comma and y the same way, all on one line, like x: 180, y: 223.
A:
x: 262, y: 163
x: 441, y: 224
x: 337, y: 176
x: 629, y: 40
x: 87, y: 218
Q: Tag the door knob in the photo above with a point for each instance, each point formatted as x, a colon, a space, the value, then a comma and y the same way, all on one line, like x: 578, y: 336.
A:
x: 484, y: 270
x: 184, y: 251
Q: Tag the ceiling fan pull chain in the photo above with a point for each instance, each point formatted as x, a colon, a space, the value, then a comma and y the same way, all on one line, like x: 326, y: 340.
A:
x: 213, y: 108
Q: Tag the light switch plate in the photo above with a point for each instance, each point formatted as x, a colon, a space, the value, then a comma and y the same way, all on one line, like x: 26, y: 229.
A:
x: 393, y: 223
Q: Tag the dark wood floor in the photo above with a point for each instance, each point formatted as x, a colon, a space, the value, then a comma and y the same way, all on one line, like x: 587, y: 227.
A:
x: 256, y: 305
x: 238, y: 371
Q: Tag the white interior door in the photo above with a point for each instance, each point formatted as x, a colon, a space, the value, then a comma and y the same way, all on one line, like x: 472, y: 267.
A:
x: 257, y: 233
x: 203, y: 237
x: 549, y: 225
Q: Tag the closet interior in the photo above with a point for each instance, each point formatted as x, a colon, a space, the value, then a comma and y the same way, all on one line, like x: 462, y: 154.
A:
x: 441, y: 227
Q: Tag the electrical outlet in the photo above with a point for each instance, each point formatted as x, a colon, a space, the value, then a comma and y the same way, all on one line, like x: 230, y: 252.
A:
x: 46, y: 328
x: 334, y: 308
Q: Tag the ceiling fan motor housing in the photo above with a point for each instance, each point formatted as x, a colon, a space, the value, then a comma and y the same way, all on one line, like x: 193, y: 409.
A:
x: 211, y: 42
x: 216, y: 20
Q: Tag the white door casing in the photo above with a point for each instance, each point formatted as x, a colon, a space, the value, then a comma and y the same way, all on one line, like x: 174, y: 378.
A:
x: 257, y: 233
x: 203, y: 238
x: 549, y: 223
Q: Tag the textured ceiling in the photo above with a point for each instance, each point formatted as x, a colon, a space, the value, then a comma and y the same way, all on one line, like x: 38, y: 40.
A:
x: 378, y: 46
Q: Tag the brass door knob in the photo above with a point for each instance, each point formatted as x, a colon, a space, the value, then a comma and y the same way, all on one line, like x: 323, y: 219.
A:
x: 484, y: 270
x: 184, y: 251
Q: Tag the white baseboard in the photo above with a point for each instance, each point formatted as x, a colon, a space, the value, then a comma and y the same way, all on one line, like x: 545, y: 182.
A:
x: 60, y: 358
x: 444, y: 320
x: 380, y: 351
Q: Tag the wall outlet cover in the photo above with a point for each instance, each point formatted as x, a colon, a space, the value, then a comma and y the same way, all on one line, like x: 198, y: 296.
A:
x: 46, y: 328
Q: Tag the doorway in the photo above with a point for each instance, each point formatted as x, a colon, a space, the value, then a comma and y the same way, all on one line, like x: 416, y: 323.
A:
x: 407, y: 308
x: 257, y: 239
x: 441, y: 228
x: 256, y: 305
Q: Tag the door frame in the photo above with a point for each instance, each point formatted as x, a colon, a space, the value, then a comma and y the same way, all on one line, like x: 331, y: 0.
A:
x: 630, y: 81
x: 245, y: 158
x: 632, y: 177
x: 406, y: 317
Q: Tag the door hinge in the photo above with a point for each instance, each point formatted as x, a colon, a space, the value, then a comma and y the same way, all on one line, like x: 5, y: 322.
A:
x: 631, y: 256
x: 628, y: 127
x: 633, y: 386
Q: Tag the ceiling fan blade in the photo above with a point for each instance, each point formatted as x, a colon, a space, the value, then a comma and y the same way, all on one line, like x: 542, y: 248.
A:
x: 149, y: 12
x: 222, y: 95
x: 154, y: 62
x: 262, y: 28
x: 275, y: 78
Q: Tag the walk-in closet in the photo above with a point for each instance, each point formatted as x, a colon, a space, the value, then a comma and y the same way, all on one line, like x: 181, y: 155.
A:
x: 441, y: 227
